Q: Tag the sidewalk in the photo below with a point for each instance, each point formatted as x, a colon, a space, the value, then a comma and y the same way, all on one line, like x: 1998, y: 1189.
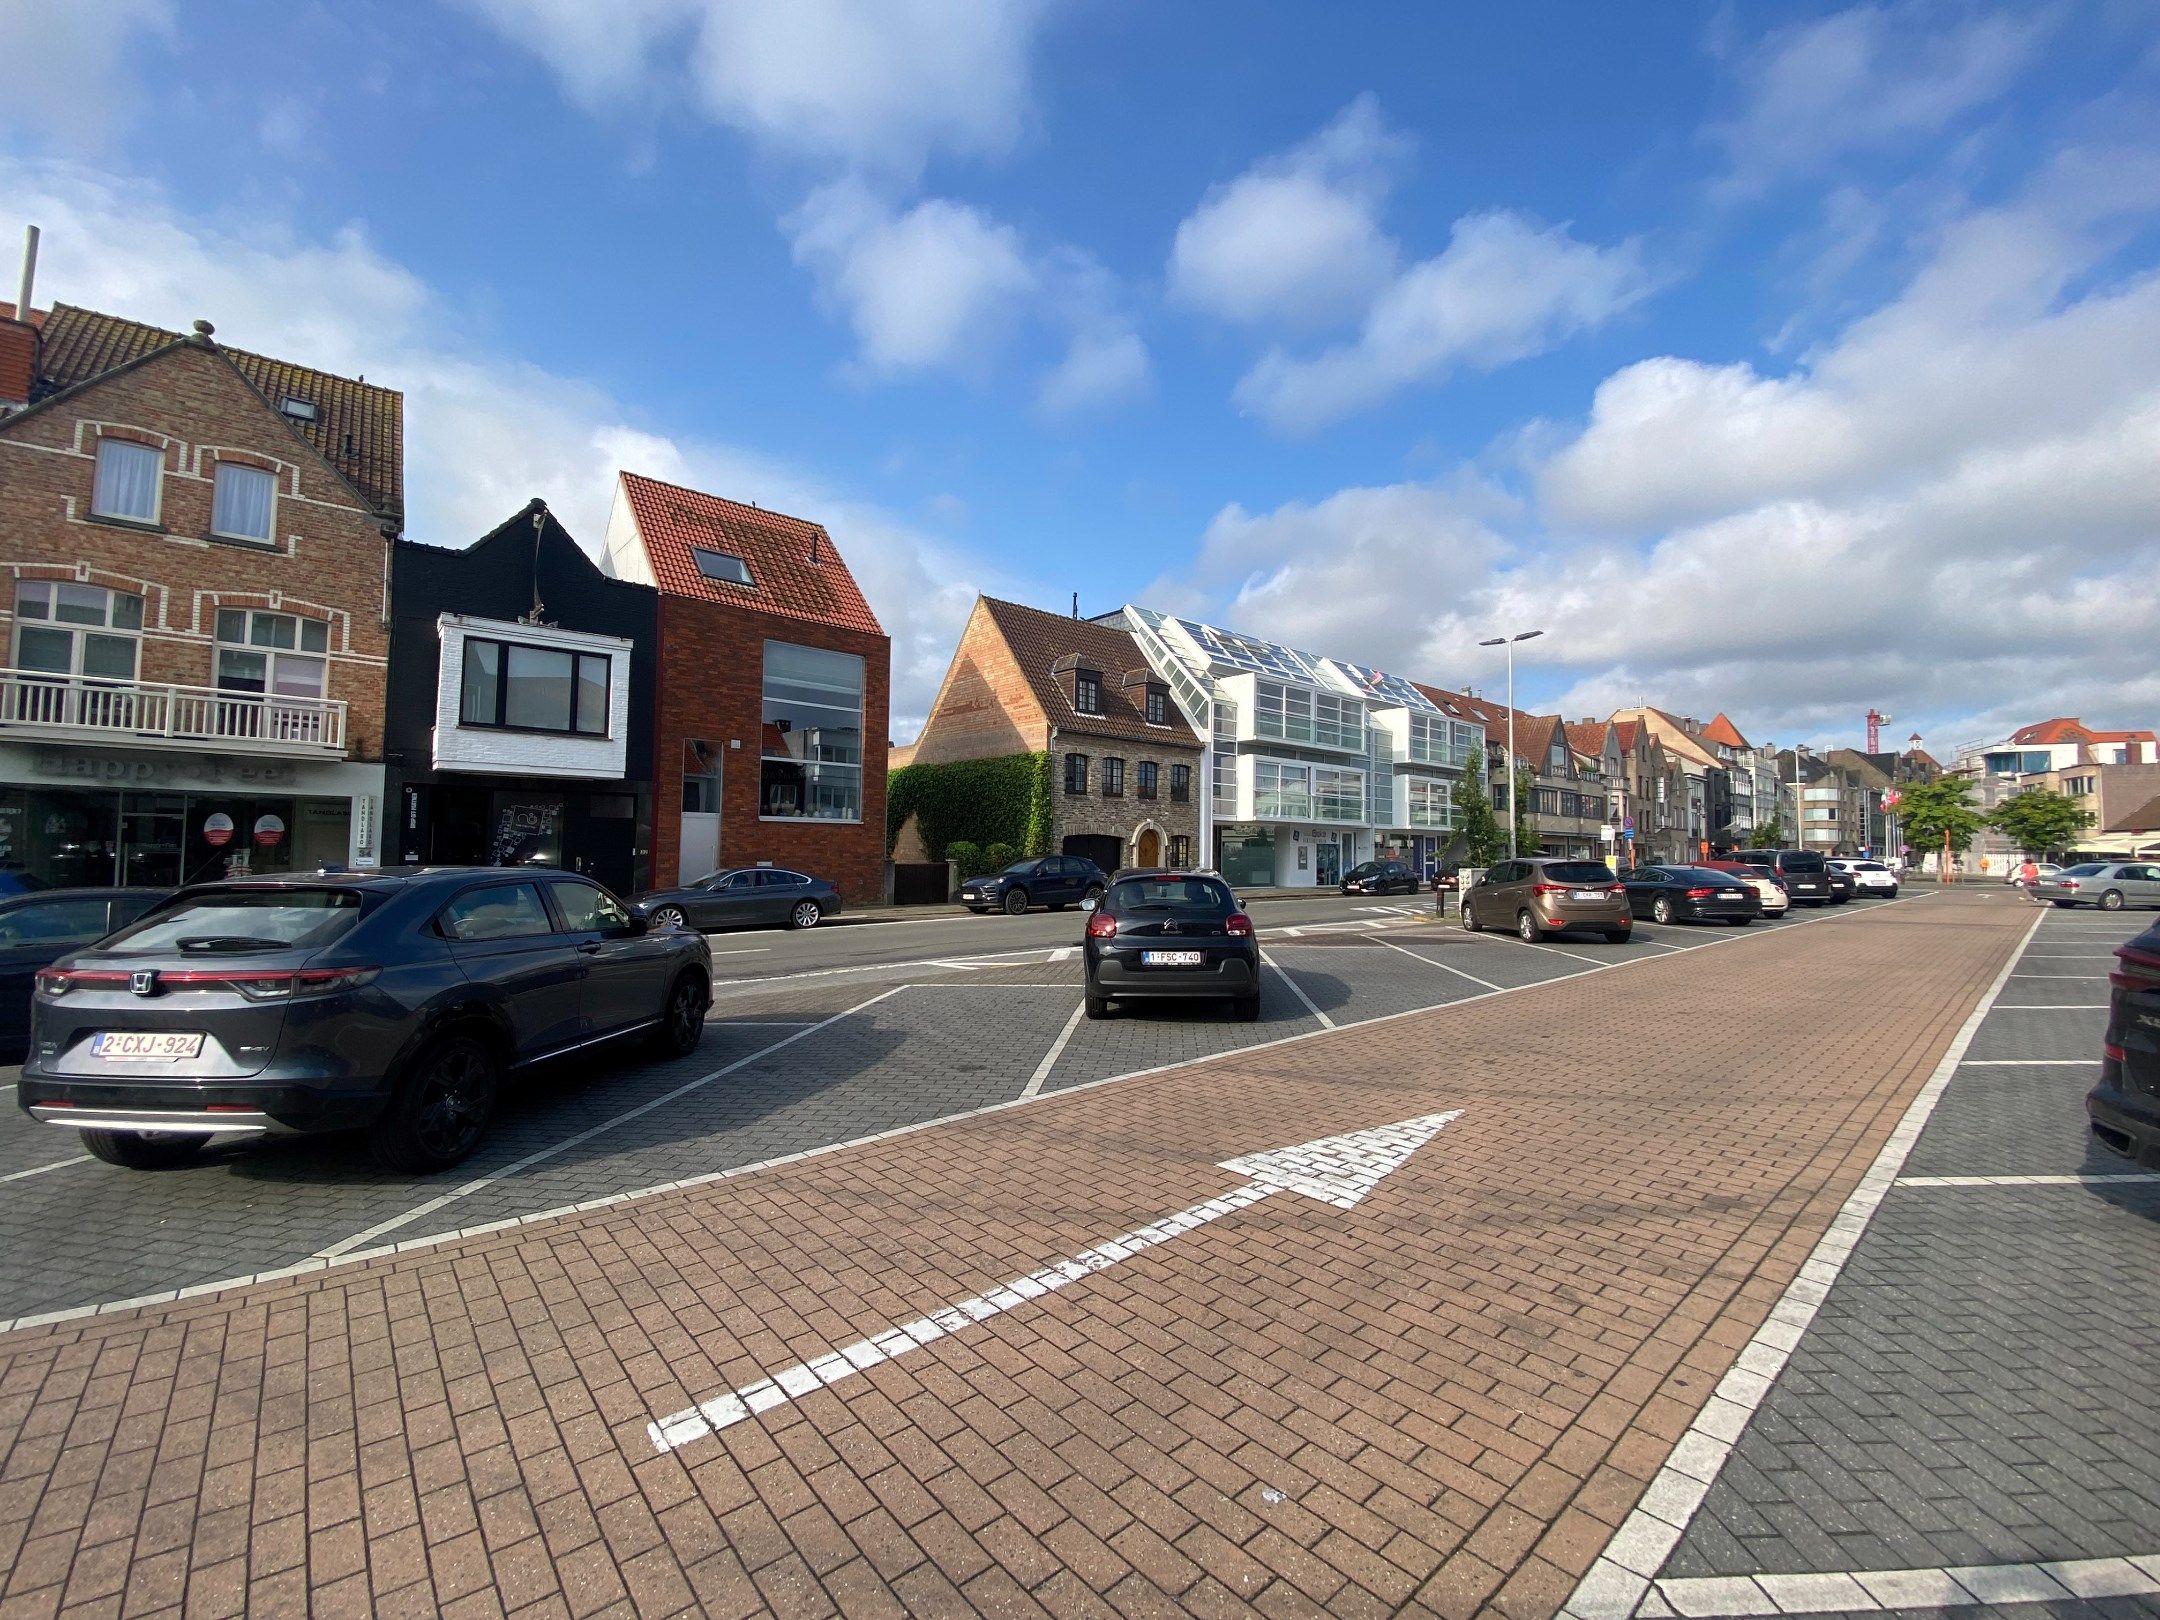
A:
x: 1444, y: 1400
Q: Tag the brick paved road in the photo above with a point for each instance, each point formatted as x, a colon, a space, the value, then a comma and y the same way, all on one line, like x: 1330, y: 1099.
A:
x: 1443, y: 1400
x: 1968, y: 1416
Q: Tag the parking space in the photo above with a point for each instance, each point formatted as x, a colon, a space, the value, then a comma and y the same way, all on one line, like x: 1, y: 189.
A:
x: 1949, y: 1412
x: 792, y: 1062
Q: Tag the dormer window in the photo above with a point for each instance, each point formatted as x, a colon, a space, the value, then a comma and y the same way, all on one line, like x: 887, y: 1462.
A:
x: 724, y: 566
x: 1087, y: 691
x: 1158, y: 705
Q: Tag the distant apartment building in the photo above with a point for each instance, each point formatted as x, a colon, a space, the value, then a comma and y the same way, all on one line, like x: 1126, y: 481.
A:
x: 1126, y: 765
x: 1568, y: 797
x: 2063, y: 755
x: 1313, y: 763
x: 773, y: 679
x: 195, y: 543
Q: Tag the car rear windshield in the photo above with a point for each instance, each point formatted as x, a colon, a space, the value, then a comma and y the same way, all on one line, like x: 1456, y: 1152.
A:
x: 1578, y: 872
x: 1702, y: 874
x: 1183, y: 896
x: 238, y: 921
x: 1803, y: 860
x: 2087, y: 869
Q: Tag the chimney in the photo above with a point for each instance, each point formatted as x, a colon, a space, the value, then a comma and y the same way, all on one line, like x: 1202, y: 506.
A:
x: 18, y: 337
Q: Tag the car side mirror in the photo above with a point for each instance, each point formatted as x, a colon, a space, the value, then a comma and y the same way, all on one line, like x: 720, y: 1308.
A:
x: 1088, y: 903
x: 640, y: 920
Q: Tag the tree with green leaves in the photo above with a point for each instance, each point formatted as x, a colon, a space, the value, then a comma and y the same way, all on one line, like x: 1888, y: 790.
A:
x: 1483, y: 839
x: 2040, y: 821
x: 1771, y: 835
x: 1929, y: 809
x: 1521, y: 800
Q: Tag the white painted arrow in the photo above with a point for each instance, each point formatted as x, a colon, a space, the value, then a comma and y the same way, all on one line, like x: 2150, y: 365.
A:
x: 1337, y: 1170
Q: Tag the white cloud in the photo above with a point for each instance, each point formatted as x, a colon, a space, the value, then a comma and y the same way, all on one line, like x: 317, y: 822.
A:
x: 871, y: 84
x: 69, y: 63
x: 935, y: 287
x: 1873, y: 76
x: 1295, y: 239
x: 1100, y: 369
x: 1505, y: 288
x: 484, y: 432
x: 1948, y: 511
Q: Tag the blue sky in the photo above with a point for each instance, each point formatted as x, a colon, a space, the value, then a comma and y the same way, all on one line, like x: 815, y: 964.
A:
x: 1775, y: 359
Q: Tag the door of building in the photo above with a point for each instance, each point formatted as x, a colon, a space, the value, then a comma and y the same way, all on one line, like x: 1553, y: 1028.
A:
x: 698, y: 848
x: 1147, y: 850
x: 1327, y: 862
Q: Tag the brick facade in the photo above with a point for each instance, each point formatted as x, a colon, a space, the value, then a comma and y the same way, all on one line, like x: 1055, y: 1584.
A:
x: 985, y: 708
x: 711, y: 689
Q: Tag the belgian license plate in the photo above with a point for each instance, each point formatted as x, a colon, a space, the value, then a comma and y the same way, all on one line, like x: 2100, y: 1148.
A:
x: 1171, y: 958
x: 142, y: 1044
x: 1587, y: 894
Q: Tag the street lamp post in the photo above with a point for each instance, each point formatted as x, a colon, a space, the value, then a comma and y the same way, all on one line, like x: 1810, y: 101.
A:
x: 1514, y: 816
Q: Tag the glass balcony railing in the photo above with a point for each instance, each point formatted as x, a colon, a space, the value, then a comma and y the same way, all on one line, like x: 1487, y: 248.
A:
x: 1315, y: 733
x: 1283, y: 806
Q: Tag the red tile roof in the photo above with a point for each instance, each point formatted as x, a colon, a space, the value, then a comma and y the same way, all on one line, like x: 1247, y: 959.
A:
x: 795, y: 569
x: 1587, y: 737
x: 1039, y: 640
x: 359, y: 427
x: 1722, y: 730
x: 2063, y: 729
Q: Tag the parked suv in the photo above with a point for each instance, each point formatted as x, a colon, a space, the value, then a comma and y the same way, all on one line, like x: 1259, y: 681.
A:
x: 1056, y: 881
x: 1380, y: 877
x: 1548, y: 894
x: 1171, y: 934
x: 1869, y: 877
x: 393, y: 1002
x: 1805, y: 875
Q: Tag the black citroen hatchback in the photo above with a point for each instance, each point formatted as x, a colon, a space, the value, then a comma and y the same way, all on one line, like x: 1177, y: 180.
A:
x: 390, y: 1001
x: 1176, y: 934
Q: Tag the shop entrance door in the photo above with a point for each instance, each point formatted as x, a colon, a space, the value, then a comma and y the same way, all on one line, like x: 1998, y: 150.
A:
x: 153, y: 828
x: 1327, y: 863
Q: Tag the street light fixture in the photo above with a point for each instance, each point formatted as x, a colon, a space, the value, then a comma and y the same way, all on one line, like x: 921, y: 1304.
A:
x: 1514, y: 817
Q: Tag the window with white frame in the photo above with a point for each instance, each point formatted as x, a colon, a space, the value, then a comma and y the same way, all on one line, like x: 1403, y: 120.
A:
x: 810, y: 767
x: 241, y: 501
x: 526, y: 688
x: 1281, y: 790
x: 1338, y: 794
x: 1429, y: 803
x: 1222, y: 766
x: 271, y: 654
x: 63, y: 629
x: 128, y: 480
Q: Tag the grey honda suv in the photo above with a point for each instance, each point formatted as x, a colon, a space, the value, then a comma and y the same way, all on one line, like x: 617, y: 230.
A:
x: 392, y: 1001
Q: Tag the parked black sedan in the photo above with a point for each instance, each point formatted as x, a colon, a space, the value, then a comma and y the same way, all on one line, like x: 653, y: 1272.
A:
x: 1670, y: 894
x: 391, y: 1001
x: 37, y: 928
x: 744, y: 897
x: 1175, y: 934
x: 2125, y: 1105
x: 1056, y: 881
x: 1380, y: 877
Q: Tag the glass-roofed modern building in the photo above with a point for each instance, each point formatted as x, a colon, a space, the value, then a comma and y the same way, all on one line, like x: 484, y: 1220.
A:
x: 1313, y: 764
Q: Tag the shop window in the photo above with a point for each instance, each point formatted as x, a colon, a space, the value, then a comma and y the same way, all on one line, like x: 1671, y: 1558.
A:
x: 522, y: 688
x: 810, y: 758
x: 241, y: 501
x: 128, y: 481
x: 1150, y: 777
x: 271, y: 654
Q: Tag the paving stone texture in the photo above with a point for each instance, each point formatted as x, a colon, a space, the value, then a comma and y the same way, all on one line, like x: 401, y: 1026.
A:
x: 1442, y: 1401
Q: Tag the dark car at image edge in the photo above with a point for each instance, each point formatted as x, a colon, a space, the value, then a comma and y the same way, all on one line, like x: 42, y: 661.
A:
x: 393, y: 1002
x: 2125, y: 1106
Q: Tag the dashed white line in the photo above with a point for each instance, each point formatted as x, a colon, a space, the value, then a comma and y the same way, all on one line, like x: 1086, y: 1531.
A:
x: 40, y: 1169
x: 1057, y: 1050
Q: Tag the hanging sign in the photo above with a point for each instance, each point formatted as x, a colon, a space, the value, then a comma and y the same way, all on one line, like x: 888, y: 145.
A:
x: 217, y: 829
x: 269, y: 831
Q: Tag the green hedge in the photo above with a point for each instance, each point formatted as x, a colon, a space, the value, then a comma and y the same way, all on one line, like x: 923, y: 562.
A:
x: 977, y: 801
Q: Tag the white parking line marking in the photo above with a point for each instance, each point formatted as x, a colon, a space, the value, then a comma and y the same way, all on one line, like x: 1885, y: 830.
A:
x: 541, y: 1217
x: 987, y: 958
x: 1057, y: 1050
x: 1297, y: 990
x: 1064, y: 953
x: 2042, y: 1006
x: 752, y: 950
x: 1442, y: 966
x: 2030, y: 1181
x: 40, y: 1169
x: 2024, y: 1063
x: 1870, y: 1591
x: 2086, y: 978
x: 1621, y: 1575
x: 380, y: 1228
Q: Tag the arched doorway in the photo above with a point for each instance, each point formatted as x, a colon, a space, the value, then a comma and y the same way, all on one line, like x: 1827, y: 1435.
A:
x: 1147, y: 849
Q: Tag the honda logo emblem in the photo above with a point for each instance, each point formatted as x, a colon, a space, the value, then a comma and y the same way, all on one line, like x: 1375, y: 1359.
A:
x: 144, y: 982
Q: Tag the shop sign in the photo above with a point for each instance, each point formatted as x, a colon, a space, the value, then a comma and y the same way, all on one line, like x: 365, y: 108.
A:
x: 183, y: 770
x: 217, y: 829
x: 269, y: 831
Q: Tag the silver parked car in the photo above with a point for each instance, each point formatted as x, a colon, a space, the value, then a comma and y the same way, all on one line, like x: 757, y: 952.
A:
x: 2110, y: 885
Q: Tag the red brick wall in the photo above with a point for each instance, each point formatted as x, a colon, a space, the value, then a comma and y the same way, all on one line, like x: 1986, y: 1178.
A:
x: 985, y: 709
x: 328, y: 560
x: 711, y: 688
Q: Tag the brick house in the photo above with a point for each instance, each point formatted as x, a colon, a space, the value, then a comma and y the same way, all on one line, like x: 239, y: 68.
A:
x: 1124, y: 763
x: 771, y: 693
x: 194, y: 583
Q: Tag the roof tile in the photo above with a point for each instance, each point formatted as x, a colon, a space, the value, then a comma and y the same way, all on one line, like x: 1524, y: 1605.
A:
x: 795, y: 569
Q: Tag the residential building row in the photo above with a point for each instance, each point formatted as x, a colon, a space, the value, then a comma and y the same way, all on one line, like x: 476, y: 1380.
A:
x: 2114, y: 776
x: 226, y: 656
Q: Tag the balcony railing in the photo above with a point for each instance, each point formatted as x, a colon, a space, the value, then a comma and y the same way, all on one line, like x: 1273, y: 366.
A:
x: 1302, y: 729
x: 86, y: 710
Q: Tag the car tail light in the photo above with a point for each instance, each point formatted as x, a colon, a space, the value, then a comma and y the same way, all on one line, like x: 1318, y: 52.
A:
x: 1102, y: 926
x: 1700, y: 894
x: 59, y: 981
x: 287, y: 984
x: 2067, y: 883
x: 1617, y: 888
x: 2113, y: 1053
x: 1238, y: 925
x: 2140, y: 970
x: 1548, y: 888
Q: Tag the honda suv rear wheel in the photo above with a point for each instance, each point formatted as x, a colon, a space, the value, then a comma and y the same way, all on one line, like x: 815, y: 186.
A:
x: 441, y: 1107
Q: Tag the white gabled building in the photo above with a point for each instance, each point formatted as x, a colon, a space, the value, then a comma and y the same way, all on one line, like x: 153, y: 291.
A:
x: 1313, y: 764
